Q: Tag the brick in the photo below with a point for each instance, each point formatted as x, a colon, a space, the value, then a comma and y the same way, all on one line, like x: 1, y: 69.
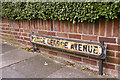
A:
x: 21, y: 37
x: 26, y: 24
x: 1, y: 20
x: 9, y: 32
x: 26, y: 30
x: 112, y: 60
x: 90, y: 61
x: 12, y: 29
x: 118, y: 68
x: 4, y: 20
x: 112, y: 47
x: 66, y: 28
x: 118, y: 55
x: 90, y: 28
x: 75, y: 58
x: 62, y: 26
x: 4, y: 25
x: 11, y: 23
x: 96, y: 28
x: 16, y: 29
x: 6, y: 35
x: 53, y: 53
x: 19, y: 34
x: 40, y: 24
x: 118, y: 41
x: 61, y: 35
x: 93, y: 58
x: 29, y: 43
x: 102, y: 28
x: 24, y: 34
x: 44, y: 50
x: 17, y: 37
x: 85, y: 56
x: 79, y: 27
x: 58, y: 25
x: 71, y: 27
x: 15, y: 33
x: 64, y: 55
x: 3, y: 28
x: 32, y: 24
x: 109, y: 53
x: 51, y: 33
x: 75, y: 28
x: 20, y: 24
x: 51, y: 25
x: 2, y: 34
x: 4, y: 31
x: 44, y: 25
x: 21, y: 41
x: 90, y: 38
x: 47, y: 24
x: 116, y: 28
x: 109, y: 40
x: 55, y: 25
x: 21, y: 30
x: 16, y: 24
x: 42, y: 32
x: 75, y: 36
x: 24, y: 42
x: 80, y: 55
x: 35, y: 31
x: 109, y: 28
x: 6, y: 28
x: 36, y: 24
x: 85, y: 28
x: 28, y: 39
x: 110, y: 66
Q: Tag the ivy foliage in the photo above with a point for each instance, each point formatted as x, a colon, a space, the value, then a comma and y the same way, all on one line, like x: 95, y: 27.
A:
x: 70, y: 11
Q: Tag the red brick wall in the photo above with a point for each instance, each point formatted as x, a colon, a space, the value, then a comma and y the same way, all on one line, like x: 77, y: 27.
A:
x: 107, y: 31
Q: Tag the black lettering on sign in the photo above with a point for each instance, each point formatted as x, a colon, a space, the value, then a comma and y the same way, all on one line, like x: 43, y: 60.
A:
x: 85, y: 48
x: 75, y: 46
x: 90, y: 49
x: 43, y: 40
x: 61, y: 43
x: 95, y: 50
x: 79, y: 47
x: 72, y: 46
x: 58, y: 43
x: 48, y: 41
x: 51, y: 42
x: 54, y: 41
x: 66, y: 45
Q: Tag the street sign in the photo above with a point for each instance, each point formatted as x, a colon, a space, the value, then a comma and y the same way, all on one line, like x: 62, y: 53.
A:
x: 79, y: 47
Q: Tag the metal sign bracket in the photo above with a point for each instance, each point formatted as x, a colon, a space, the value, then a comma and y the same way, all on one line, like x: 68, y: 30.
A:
x: 101, y: 60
